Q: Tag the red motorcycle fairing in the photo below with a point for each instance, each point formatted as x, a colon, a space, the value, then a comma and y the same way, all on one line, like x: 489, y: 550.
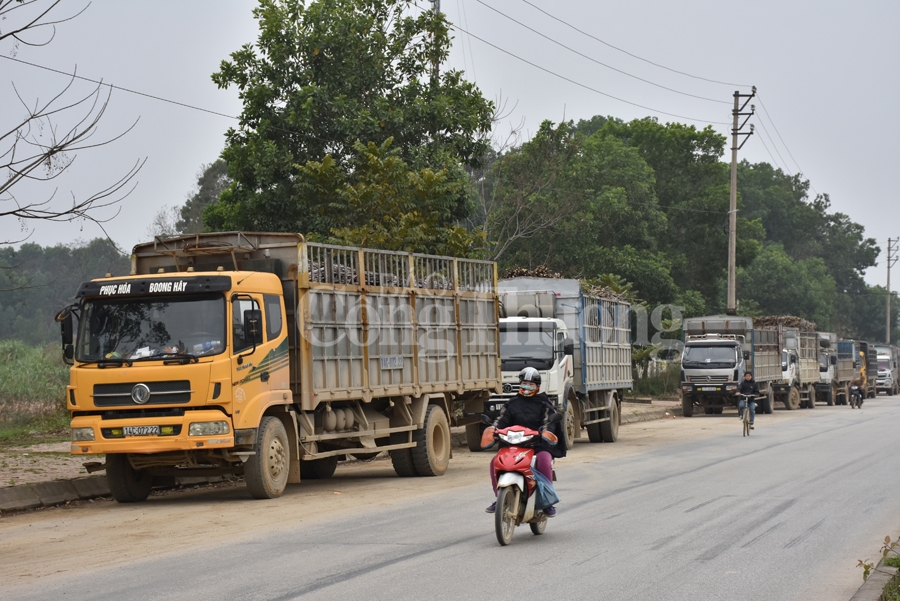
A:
x: 517, y: 459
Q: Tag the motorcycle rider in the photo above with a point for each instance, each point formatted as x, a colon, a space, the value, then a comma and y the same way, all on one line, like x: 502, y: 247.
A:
x: 531, y: 409
x: 862, y: 381
x: 750, y: 388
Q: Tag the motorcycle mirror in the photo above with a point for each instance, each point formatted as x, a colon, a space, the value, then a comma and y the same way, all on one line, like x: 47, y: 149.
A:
x: 556, y: 418
x: 486, y: 420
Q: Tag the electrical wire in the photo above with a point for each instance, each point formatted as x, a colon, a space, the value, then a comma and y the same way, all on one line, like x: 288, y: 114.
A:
x: 605, y: 43
x: 786, y: 168
x: 774, y: 161
x: 462, y: 3
x: 593, y: 60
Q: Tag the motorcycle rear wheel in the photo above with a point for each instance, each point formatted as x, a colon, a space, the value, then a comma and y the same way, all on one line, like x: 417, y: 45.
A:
x: 506, y: 513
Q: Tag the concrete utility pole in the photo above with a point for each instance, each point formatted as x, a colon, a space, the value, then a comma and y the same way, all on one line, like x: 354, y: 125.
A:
x: 732, y: 210
x: 891, y: 259
x: 437, y: 65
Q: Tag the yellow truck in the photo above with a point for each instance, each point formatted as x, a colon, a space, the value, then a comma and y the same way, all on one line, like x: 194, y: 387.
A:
x: 263, y: 355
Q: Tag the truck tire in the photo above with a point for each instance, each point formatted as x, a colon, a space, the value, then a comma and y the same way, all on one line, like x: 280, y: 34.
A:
x: 593, y: 430
x: 792, y: 399
x: 687, y: 405
x: 431, y: 455
x: 767, y: 403
x: 707, y: 411
x: 473, y: 436
x: 402, y: 458
x: 609, y: 431
x: 811, y: 403
x: 830, y: 396
x: 266, y: 472
x: 717, y: 410
x: 570, y: 428
x: 318, y: 469
x: 126, y: 484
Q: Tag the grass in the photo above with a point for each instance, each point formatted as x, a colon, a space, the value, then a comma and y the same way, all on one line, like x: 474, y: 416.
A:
x: 32, y: 394
x: 663, y: 384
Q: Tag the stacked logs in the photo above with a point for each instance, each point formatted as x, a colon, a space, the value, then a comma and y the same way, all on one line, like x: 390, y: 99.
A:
x: 788, y: 321
x: 538, y: 272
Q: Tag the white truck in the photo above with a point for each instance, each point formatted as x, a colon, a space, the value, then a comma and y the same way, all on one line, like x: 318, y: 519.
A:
x: 581, y: 345
x: 799, y: 369
x: 888, y: 379
x: 829, y: 387
x: 718, y: 349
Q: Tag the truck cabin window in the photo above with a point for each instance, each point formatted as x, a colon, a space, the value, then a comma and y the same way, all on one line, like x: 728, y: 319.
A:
x: 273, y: 316
x: 526, y: 345
x: 784, y: 360
x: 238, y: 306
x: 152, y: 328
x: 823, y: 362
x: 709, y: 356
x: 884, y: 364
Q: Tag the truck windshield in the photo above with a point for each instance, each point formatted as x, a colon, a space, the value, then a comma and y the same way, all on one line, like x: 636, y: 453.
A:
x: 709, y: 356
x: 884, y: 364
x: 515, y: 344
x: 141, y: 328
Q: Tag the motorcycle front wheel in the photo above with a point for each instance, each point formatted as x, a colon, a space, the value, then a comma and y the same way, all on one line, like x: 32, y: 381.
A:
x: 505, y: 514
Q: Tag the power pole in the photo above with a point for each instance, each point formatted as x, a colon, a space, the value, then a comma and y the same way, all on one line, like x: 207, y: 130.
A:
x: 732, y: 210
x: 437, y: 65
x: 891, y: 259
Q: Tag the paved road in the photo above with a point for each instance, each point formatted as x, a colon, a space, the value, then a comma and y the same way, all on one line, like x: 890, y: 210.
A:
x: 782, y: 515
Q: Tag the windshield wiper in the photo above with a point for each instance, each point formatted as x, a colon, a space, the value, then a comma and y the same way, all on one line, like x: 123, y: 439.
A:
x: 527, y: 358
x: 175, y: 358
x: 102, y: 363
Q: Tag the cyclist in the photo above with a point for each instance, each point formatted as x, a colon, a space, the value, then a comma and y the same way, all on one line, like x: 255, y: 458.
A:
x: 750, y: 388
x: 531, y: 409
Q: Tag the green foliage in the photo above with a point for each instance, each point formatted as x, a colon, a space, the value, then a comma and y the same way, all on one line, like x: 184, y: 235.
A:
x: 889, y: 546
x: 329, y: 75
x: 36, y: 282
x: 211, y: 182
x: 32, y: 384
x: 382, y: 203
x: 664, y: 381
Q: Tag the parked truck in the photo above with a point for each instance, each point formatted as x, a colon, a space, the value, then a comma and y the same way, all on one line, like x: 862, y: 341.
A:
x: 264, y: 355
x: 581, y: 345
x: 718, y: 349
x: 888, y: 379
x: 799, y: 369
x: 829, y: 387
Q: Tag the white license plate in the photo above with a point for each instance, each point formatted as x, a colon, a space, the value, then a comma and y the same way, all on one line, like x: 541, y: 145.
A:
x: 141, y: 430
x: 708, y: 388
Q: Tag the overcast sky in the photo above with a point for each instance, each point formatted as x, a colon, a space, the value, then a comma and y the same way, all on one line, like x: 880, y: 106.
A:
x: 826, y: 71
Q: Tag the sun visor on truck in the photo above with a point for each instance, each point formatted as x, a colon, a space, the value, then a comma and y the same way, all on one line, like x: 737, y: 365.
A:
x: 153, y: 286
x: 528, y: 304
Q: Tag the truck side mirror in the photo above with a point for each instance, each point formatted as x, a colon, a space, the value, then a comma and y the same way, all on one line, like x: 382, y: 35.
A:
x: 67, y: 330
x: 568, y: 346
x: 746, y: 355
x: 834, y: 359
x: 793, y: 359
x: 253, y: 326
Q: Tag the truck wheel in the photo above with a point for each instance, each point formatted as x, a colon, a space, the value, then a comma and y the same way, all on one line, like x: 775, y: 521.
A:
x: 717, y: 410
x: 126, y: 484
x: 811, y: 403
x: 318, y: 469
x: 767, y: 403
x: 402, y: 458
x: 687, y: 405
x: 431, y: 455
x: 792, y: 399
x: 266, y: 472
x: 829, y: 399
x: 707, y: 411
x: 473, y: 436
x: 609, y: 431
x: 570, y: 429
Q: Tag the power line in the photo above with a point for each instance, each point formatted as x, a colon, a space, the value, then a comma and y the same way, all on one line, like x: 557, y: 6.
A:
x: 771, y: 156
x: 462, y: 5
x: 579, y: 84
x: 605, y: 43
x: 774, y: 160
x: 627, y: 74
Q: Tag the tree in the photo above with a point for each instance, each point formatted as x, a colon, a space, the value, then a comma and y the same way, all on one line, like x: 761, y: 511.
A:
x: 42, y: 143
x: 212, y: 180
x: 322, y: 78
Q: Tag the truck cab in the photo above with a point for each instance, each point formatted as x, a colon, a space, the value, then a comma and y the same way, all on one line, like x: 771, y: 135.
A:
x: 535, y: 342
x: 712, y: 366
x: 887, y: 378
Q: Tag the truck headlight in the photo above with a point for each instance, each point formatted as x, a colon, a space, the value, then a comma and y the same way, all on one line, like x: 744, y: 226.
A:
x: 208, y: 428
x: 82, y: 433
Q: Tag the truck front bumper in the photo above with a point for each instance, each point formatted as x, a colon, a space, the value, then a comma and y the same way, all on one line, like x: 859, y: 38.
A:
x: 781, y: 388
x: 109, y: 434
x: 708, y: 389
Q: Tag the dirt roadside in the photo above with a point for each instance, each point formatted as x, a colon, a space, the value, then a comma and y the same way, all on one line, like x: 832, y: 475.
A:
x: 113, y: 534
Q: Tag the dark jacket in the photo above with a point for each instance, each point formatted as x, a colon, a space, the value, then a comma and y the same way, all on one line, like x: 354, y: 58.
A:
x: 533, y: 412
x: 749, y: 388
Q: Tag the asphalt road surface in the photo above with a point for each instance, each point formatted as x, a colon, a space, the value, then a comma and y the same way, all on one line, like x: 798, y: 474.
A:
x: 680, y: 509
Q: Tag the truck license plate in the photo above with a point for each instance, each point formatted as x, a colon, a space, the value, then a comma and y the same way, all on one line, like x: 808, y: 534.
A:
x: 709, y: 388
x: 141, y: 430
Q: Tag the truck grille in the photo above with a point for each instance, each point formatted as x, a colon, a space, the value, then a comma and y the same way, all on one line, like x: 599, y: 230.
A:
x: 161, y: 393
x: 708, y: 379
x: 510, y: 388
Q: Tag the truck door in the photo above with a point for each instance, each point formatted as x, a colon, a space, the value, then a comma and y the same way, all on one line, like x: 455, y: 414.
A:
x: 249, y: 373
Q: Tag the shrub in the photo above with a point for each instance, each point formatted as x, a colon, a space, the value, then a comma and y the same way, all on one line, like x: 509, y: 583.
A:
x: 32, y: 384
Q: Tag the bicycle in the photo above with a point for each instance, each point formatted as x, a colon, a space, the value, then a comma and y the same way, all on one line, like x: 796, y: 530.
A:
x: 745, y: 414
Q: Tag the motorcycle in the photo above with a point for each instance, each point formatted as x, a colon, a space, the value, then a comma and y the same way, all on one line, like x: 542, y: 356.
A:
x: 514, y: 466
x: 856, y: 397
